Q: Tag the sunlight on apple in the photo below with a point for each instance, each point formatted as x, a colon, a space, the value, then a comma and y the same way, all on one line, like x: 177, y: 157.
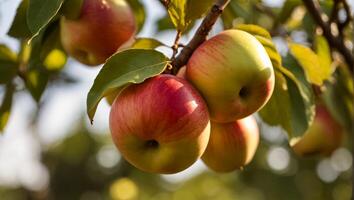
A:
x: 191, y: 106
x: 123, y: 189
x: 326, y: 172
x: 108, y: 156
x: 341, y: 160
x: 278, y: 158
x: 173, y: 84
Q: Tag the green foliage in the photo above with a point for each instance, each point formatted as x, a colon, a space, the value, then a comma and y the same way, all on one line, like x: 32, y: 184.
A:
x: 339, y: 98
x: 40, y: 14
x: 315, y: 72
x: 8, y: 64
x: 5, y: 105
x: 184, y: 12
x: 139, y: 13
x: 19, y: 28
x: 125, y: 67
x: 146, y: 43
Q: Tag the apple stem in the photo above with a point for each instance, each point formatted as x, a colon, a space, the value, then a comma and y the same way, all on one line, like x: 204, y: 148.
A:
x: 200, y: 36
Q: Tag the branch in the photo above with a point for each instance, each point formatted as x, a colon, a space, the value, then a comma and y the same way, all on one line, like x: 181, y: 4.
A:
x: 200, y: 36
x: 337, y: 42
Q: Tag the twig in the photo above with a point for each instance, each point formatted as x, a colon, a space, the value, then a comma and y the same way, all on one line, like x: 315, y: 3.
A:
x: 200, y: 36
x: 337, y: 42
x: 165, y: 3
x: 175, y: 45
x: 349, y: 17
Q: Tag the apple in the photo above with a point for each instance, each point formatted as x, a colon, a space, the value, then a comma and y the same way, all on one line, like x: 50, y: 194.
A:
x: 182, y: 72
x: 101, y: 28
x: 234, y: 74
x: 161, y: 125
x: 322, y: 138
x: 231, y: 145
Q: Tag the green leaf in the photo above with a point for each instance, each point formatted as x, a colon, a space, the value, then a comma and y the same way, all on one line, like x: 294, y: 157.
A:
x: 301, y: 96
x: 165, y: 23
x: 196, y: 8
x: 37, y: 75
x: 254, y: 30
x: 8, y: 64
x: 7, y: 54
x: 324, y: 54
x: 5, y: 107
x: 278, y: 109
x: 8, y: 71
x: 19, y: 28
x: 177, y: 12
x: 315, y: 73
x: 123, y: 68
x: 36, y: 82
x: 339, y: 96
x: 52, y: 54
x: 292, y: 103
x: 146, y: 43
x: 40, y: 13
x: 139, y: 12
x: 233, y: 11
x: 287, y: 10
x: 184, y: 12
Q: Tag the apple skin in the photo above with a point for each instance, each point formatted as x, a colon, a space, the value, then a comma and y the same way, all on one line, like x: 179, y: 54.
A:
x: 102, y: 27
x: 161, y: 125
x: 231, y: 145
x: 234, y: 74
x: 322, y: 138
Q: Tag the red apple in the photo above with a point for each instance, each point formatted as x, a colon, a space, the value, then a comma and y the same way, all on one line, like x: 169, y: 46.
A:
x: 161, y: 125
x: 101, y: 28
x: 234, y: 74
x: 231, y: 145
x: 322, y: 138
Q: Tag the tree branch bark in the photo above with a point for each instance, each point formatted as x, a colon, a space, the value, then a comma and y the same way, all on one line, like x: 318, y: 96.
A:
x: 200, y: 36
x: 337, y: 42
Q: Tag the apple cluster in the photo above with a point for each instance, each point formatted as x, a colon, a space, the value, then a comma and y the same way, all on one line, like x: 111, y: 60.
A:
x: 166, y: 123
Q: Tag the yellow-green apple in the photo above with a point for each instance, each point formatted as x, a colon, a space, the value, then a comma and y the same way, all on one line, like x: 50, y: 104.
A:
x: 161, y: 125
x: 231, y: 145
x: 322, y: 138
x: 234, y: 74
x: 101, y: 28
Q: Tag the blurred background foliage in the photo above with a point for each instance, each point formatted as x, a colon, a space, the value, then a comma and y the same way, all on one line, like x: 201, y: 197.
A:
x: 86, y: 165
x: 83, y: 164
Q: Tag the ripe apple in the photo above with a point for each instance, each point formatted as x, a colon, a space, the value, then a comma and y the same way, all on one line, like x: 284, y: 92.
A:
x: 101, y: 28
x: 322, y: 138
x: 231, y: 145
x: 234, y: 74
x: 161, y: 125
